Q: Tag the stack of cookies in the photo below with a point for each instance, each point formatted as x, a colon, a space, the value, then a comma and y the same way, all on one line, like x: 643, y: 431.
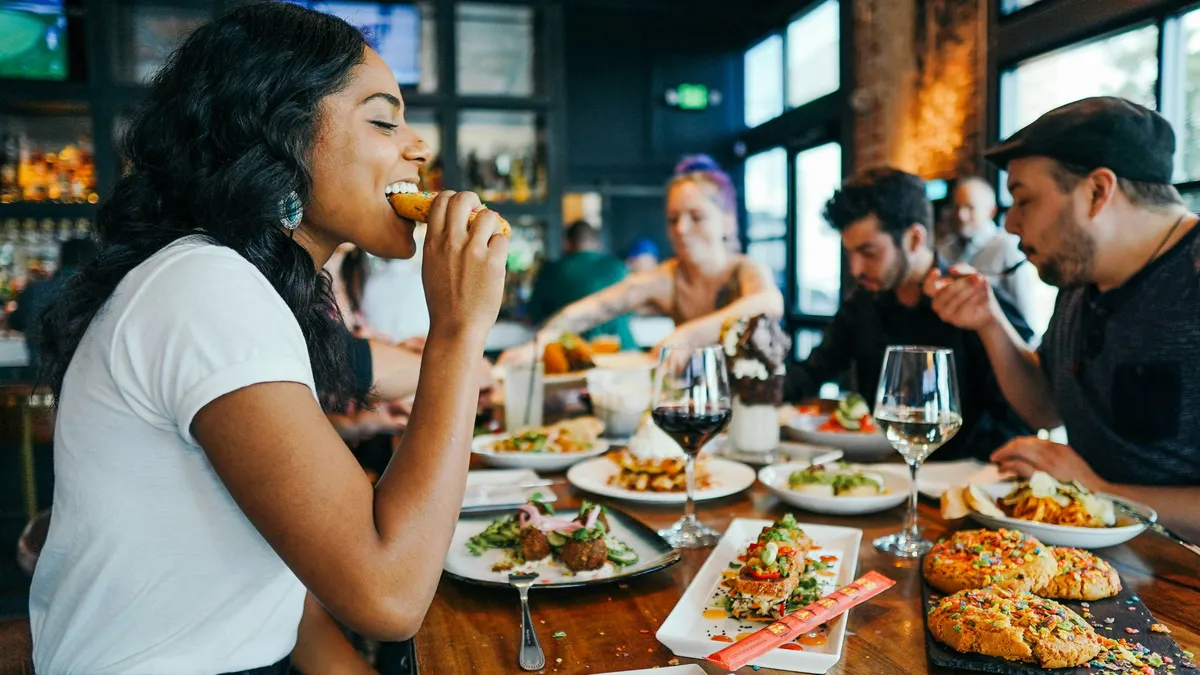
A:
x: 1001, y: 583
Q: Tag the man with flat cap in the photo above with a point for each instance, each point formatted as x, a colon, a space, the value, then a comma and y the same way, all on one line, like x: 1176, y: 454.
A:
x: 1097, y: 215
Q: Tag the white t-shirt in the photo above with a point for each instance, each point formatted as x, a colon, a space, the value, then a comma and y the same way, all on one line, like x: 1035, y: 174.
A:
x: 149, y: 565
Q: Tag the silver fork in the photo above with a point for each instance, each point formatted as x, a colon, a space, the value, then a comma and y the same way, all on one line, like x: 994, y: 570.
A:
x: 531, y: 656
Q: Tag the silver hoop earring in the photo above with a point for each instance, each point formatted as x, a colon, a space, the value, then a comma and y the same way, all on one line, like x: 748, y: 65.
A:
x: 290, y: 211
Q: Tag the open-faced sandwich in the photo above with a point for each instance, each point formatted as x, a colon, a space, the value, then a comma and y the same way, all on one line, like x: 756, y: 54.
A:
x: 574, y: 435
x: 772, y: 573
x: 836, y: 479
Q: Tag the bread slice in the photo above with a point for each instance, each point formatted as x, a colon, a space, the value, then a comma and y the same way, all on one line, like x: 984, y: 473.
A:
x: 954, y: 504
x: 981, y: 502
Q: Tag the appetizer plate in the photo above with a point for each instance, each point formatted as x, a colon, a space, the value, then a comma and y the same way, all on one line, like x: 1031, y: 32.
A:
x: 538, y: 461
x: 499, y: 489
x: 727, y: 478
x: 688, y: 632
x: 858, y: 446
x: 1064, y: 535
x: 654, y: 554
x: 776, y: 476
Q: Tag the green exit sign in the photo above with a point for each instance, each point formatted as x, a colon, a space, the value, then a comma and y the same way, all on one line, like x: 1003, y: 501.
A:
x: 692, y: 96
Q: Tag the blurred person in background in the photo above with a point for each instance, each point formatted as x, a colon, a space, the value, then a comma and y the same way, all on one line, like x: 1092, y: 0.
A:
x: 583, y: 269
x: 73, y: 253
x: 642, y: 255
x: 973, y: 238
x: 702, y: 287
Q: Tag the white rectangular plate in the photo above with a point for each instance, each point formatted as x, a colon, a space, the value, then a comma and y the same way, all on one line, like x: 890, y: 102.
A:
x: 690, y: 669
x: 687, y: 632
x: 501, y: 497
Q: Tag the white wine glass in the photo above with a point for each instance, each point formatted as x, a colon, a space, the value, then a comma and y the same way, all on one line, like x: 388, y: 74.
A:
x: 918, y: 410
x: 692, y: 404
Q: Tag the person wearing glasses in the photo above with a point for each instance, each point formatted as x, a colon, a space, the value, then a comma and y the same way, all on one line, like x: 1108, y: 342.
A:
x: 886, y: 222
x: 1097, y: 215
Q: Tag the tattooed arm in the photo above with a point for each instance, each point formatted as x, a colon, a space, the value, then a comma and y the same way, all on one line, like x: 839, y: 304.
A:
x: 582, y: 315
x: 758, y: 296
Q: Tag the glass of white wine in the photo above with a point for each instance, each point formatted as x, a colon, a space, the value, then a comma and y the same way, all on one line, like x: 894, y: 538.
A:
x: 918, y: 410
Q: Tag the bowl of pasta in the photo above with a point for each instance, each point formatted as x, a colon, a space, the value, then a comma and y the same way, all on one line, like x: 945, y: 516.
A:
x: 1057, y: 513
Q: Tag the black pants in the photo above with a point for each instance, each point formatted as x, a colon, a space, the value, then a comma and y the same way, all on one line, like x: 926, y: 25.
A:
x: 282, y: 668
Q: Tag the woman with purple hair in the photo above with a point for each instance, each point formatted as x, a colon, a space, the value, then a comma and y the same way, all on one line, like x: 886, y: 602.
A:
x: 706, y: 283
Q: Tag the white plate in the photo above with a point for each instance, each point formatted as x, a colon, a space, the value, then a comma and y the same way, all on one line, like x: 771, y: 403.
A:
x: 686, y: 629
x: 539, y: 461
x: 775, y: 477
x: 859, y: 447
x: 654, y: 553
x: 787, y: 450
x: 501, y: 496
x: 727, y: 478
x: 627, y: 360
x: 690, y: 669
x: 1063, y: 535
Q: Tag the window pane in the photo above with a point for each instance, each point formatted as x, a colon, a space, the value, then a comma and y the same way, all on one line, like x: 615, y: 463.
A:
x: 806, y: 340
x: 502, y: 155
x: 766, y: 195
x: 1123, y: 65
x: 495, y: 50
x: 764, y: 81
x: 812, y: 45
x: 1010, y: 6
x: 818, y: 247
x: 773, y: 255
x: 1188, y: 128
x: 146, y: 35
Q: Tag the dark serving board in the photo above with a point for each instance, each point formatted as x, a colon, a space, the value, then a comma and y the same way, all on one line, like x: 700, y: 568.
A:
x: 1117, y: 608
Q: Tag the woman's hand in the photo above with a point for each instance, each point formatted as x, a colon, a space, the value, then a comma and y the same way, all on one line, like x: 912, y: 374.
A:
x: 463, y: 269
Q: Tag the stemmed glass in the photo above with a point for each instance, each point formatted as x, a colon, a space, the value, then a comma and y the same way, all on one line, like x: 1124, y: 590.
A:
x: 692, y: 404
x: 918, y: 410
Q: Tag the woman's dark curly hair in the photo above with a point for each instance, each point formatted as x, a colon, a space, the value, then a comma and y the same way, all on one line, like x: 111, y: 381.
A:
x: 225, y: 133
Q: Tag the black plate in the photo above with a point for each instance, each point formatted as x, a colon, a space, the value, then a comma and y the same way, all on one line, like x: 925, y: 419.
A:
x: 663, y: 555
x: 1117, y: 608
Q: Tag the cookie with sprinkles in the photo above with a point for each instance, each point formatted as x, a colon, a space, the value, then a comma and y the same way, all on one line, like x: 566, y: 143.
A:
x: 1012, y: 625
x: 989, y: 558
x: 1081, y: 576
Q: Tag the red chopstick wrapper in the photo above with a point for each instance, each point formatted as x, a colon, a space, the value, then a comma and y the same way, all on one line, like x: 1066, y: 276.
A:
x: 800, y: 621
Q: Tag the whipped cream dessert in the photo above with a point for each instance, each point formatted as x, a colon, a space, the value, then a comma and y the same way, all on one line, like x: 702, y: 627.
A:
x: 756, y: 350
x: 650, y: 443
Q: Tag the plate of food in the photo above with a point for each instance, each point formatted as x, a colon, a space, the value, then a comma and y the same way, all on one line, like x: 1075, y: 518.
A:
x: 550, y: 448
x: 651, y: 468
x: 835, y: 487
x: 758, y: 571
x: 593, y: 544
x: 1061, y: 514
x: 849, y: 427
x: 568, y: 359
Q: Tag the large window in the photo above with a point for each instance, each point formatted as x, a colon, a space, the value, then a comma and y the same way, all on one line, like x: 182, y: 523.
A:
x: 818, y: 247
x: 766, y: 211
x: 1125, y: 65
x: 764, y: 81
x: 812, y: 55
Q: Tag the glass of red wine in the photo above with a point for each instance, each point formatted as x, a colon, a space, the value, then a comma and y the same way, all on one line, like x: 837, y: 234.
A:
x: 692, y: 404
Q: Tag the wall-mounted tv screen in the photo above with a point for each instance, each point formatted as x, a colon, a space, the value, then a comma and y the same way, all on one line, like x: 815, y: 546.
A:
x: 392, y: 30
x: 33, y: 39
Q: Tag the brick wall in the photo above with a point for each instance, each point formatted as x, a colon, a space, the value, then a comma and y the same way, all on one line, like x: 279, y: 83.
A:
x: 920, y: 97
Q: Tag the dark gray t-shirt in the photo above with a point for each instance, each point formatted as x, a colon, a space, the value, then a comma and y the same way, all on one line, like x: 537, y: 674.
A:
x: 1125, y: 369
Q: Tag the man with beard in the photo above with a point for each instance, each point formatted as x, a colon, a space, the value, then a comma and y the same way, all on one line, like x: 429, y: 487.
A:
x: 886, y: 223
x: 1097, y: 215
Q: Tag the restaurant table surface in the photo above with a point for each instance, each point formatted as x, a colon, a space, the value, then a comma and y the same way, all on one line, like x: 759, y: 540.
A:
x: 610, y: 627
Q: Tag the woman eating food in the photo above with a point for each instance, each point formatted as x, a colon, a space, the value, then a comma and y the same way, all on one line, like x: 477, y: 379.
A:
x: 199, y: 488
x: 700, y: 288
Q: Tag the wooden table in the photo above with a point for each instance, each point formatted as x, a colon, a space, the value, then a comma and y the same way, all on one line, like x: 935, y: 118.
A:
x: 471, y: 629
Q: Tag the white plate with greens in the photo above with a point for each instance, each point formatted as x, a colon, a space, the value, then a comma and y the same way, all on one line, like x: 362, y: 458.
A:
x: 837, y: 489
x: 849, y: 428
